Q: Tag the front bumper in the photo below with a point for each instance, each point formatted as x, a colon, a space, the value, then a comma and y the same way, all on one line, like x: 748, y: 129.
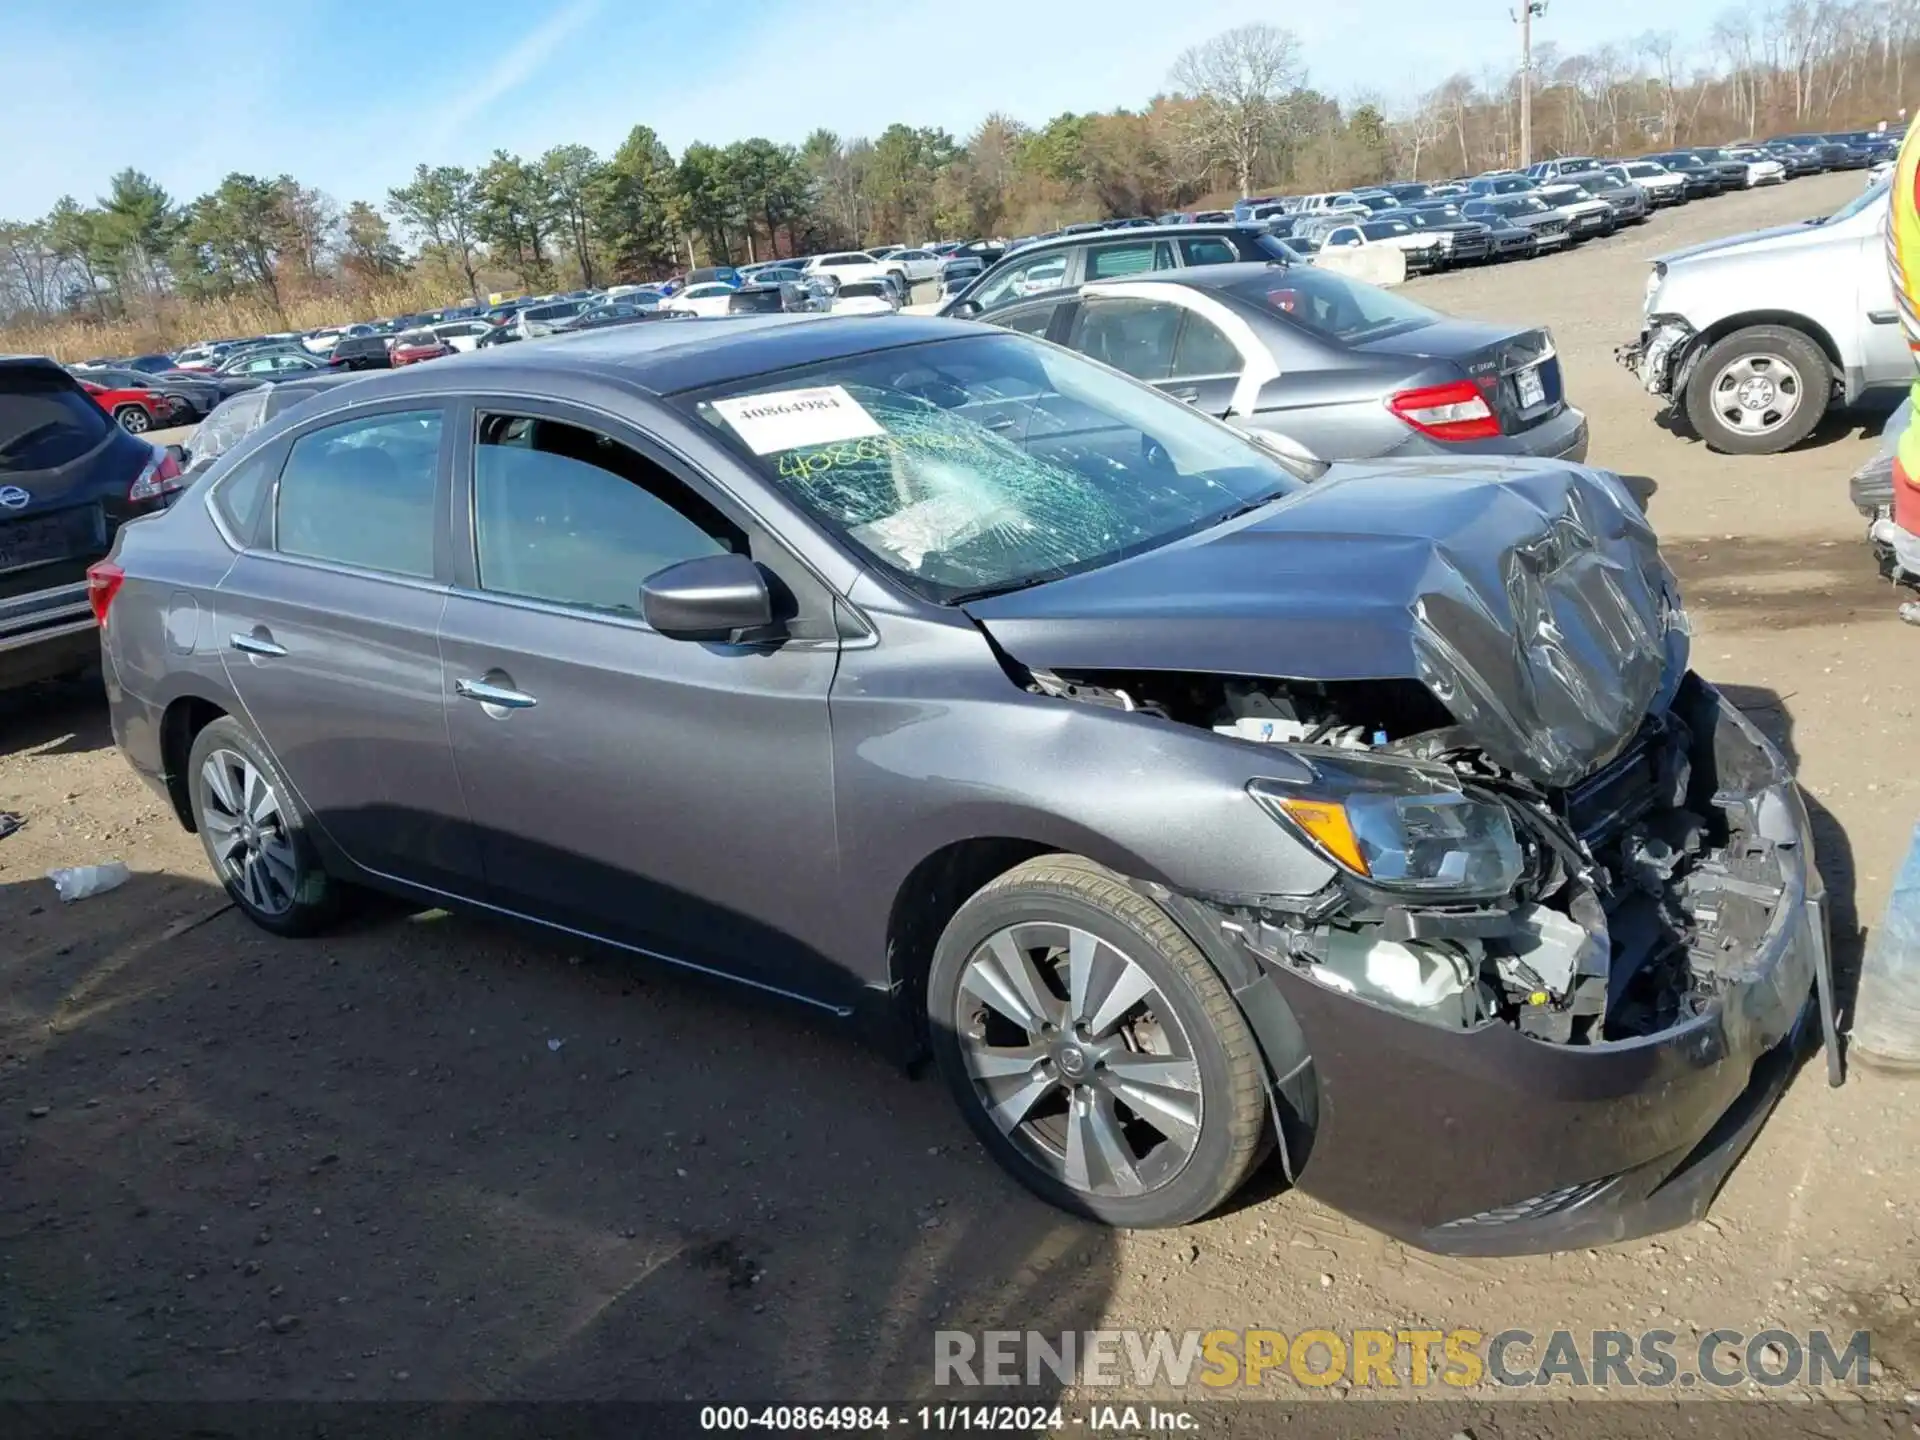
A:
x: 1488, y: 1142
x: 1658, y: 356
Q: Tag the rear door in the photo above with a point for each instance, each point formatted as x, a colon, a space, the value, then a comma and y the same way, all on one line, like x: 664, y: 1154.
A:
x: 329, y: 621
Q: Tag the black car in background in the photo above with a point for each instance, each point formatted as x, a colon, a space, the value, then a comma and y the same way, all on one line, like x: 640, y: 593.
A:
x: 1702, y: 179
x: 367, y: 352
x: 1462, y: 242
x: 1799, y: 159
x: 69, y: 477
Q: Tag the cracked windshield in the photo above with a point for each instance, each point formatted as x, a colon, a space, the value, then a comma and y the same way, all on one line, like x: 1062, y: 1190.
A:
x: 976, y: 466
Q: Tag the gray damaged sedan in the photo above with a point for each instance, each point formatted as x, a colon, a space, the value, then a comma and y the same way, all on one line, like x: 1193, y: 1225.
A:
x: 1186, y: 800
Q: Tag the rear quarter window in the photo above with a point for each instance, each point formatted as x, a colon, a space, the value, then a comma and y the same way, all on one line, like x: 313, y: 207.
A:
x: 45, y: 421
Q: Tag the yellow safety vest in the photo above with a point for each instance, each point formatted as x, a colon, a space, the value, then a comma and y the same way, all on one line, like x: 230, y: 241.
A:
x: 1903, y: 257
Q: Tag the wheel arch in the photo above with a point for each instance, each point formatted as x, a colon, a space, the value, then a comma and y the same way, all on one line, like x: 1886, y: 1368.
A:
x: 1786, y: 320
x: 180, y: 725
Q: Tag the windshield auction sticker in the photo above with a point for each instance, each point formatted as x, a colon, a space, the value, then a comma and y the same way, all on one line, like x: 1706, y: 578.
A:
x: 789, y: 419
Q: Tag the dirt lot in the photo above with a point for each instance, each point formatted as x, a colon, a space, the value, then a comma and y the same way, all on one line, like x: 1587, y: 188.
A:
x: 434, y: 1158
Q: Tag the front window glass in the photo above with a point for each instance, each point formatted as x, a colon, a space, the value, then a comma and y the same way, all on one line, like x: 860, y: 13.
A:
x: 576, y: 518
x: 976, y: 465
x: 1135, y: 336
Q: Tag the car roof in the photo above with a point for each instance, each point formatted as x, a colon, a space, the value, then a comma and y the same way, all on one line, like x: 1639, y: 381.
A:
x: 1197, y: 277
x: 676, y: 355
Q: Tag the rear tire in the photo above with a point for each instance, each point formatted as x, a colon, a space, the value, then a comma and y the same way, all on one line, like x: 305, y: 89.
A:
x: 1094, y: 1050
x: 1759, y: 391
x: 133, y: 419
x: 257, y: 838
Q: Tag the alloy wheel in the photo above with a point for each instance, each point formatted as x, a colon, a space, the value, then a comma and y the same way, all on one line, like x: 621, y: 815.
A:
x: 246, y: 830
x: 1756, y: 394
x: 134, y: 420
x: 1078, y: 1058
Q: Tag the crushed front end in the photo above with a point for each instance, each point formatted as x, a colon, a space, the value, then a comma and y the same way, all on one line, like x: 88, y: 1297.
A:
x: 1583, y: 1059
x: 1662, y: 357
x: 1560, y: 954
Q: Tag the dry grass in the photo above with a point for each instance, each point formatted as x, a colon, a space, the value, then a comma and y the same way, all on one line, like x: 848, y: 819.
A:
x: 175, y: 323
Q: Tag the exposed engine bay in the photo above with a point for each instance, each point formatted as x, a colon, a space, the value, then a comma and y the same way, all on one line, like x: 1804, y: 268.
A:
x: 1643, y: 889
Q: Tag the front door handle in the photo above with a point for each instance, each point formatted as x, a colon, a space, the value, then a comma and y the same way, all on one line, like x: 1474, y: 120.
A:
x: 255, y: 644
x: 499, y: 695
x: 1883, y: 317
x: 1187, y: 395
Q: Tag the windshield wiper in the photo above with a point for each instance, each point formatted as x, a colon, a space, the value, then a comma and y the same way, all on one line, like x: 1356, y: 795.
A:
x: 1249, y: 506
x: 987, y: 592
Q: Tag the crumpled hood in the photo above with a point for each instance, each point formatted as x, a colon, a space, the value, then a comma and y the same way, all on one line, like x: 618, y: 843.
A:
x: 1528, y: 596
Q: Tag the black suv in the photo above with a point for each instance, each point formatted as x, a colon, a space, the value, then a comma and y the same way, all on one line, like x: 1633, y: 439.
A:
x: 69, y: 477
x: 1067, y: 262
x: 361, y: 352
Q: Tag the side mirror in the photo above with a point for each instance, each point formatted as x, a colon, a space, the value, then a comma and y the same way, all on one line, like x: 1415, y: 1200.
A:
x: 1289, y: 452
x: 712, y: 598
x: 964, y: 309
x: 179, y: 454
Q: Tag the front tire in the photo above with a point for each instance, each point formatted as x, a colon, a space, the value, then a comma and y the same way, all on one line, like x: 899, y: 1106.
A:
x: 1759, y: 391
x: 1093, y: 1049
x: 256, y: 837
x: 133, y: 419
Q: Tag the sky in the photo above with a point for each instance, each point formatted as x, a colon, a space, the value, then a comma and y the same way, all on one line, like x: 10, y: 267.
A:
x: 348, y: 95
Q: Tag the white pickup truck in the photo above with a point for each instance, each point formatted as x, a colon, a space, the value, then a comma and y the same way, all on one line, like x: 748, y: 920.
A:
x: 1751, y: 338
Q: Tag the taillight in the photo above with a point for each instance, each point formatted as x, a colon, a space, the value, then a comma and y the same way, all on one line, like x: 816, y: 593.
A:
x: 1457, y: 410
x: 159, y: 476
x: 103, y: 583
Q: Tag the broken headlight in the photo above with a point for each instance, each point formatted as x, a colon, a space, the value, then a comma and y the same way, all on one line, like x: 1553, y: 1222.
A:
x: 1398, y: 826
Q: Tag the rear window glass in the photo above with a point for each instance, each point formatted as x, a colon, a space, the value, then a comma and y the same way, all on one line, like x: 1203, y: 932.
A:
x: 1105, y: 262
x: 45, y: 421
x: 361, y: 493
x: 1332, y: 306
x: 230, y: 421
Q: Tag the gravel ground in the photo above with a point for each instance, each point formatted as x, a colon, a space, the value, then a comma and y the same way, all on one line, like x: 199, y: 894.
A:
x: 435, y: 1158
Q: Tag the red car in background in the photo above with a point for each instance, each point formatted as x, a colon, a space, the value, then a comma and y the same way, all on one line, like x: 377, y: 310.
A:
x: 410, y: 347
x: 137, y: 411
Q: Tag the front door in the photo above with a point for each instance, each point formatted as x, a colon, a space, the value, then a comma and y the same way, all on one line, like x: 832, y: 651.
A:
x: 672, y: 796
x: 329, y: 628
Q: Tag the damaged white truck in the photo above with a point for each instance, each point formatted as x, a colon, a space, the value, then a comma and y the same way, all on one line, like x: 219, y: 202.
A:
x: 1750, y: 339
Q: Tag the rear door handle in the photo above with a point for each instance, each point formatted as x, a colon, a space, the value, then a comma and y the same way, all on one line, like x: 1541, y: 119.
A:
x: 1187, y: 395
x: 1883, y: 317
x: 255, y: 644
x: 494, y: 695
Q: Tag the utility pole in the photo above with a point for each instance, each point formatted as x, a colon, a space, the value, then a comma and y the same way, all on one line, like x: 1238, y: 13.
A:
x: 1530, y: 10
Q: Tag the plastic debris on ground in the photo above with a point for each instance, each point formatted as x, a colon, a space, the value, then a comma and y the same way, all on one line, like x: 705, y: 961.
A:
x: 80, y: 881
x: 9, y: 822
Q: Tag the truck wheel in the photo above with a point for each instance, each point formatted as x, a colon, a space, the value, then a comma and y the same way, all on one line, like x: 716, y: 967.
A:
x: 1759, y: 391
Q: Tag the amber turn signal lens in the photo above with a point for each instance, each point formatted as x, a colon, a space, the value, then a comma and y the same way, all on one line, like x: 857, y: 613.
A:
x: 1328, y: 825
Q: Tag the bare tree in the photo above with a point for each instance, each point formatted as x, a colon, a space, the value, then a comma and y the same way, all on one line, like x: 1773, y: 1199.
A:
x: 1417, y: 133
x: 1241, y: 80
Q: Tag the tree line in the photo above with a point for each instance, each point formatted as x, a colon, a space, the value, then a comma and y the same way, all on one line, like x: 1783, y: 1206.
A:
x: 1238, y: 116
